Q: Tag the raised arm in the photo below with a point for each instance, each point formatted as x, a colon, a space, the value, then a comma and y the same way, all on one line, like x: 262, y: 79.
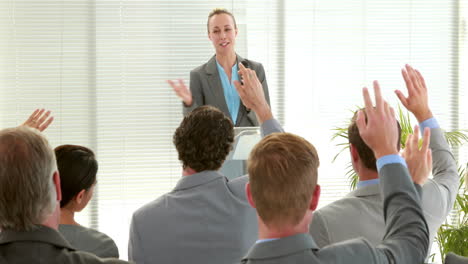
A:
x: 438, y: 194
x: 39, y: 119
x: 406, y: 236
x: 252, y: 94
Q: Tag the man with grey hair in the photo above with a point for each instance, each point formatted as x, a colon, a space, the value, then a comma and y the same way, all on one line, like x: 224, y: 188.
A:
x: 29, y: 202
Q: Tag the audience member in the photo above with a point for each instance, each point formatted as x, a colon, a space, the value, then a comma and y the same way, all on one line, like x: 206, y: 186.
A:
x: 283, y: 188
x: 29, y: 203
x: 360, y: 212
x: 206, y: 217
x: 78, y: 167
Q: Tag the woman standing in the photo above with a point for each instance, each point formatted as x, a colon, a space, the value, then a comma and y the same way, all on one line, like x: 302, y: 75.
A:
x: 213, y: 82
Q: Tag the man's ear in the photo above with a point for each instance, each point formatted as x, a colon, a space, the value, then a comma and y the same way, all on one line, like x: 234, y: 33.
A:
x: 315, y: 198
x: 354, y: 153
x: 58, y: 188
x: 248, y: 193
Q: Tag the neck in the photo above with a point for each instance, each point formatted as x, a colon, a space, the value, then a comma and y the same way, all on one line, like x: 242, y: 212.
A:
x: 54, y: 219
x: 188, y: 171
x: 67, y: 217
x: 226, y: 60
x: 265, y: 232
x: 367, y: 174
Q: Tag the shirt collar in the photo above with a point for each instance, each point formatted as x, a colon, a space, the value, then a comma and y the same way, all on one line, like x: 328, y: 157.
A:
x: 367, y: 183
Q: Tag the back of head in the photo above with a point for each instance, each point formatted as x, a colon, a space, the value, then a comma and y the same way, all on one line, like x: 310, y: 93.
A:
x: 365, y: 153
x: 27, y: 193
x: 283, y: 175
x: 78, y: 167
x: 204, y: 138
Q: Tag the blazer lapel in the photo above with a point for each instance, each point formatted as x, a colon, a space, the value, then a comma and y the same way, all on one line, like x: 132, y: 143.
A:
x: 216, y: 87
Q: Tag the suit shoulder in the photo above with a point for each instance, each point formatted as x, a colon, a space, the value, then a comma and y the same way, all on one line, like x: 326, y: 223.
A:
x: 150, y: 208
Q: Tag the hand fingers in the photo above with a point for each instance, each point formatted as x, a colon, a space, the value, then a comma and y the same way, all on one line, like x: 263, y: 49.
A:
x: 43, y: 117
x: 241, y: 66
x: 361, y: 122
x: 172, y: 84
x: 181, y: 83
x: 46, y: 124
x: 402, y: 98
x: 379, y: 102
x: 415, y: 138
x: 238, y: 86
x: 407, y: 150
x: 426, y: 139
x: 38, y: 114
x: 367, y: 100
x: 408, y: 82
x: 413, y: 77
x: 421, y: 79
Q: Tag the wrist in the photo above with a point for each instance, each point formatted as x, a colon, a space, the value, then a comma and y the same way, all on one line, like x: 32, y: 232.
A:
x: 423, y: 116
x: 384, y: 152
x: 263, y: 113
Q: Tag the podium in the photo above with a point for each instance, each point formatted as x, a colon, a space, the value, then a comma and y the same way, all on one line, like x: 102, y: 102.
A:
x: 245, y: 138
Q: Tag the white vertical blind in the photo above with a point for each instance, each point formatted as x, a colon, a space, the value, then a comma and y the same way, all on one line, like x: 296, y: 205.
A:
x: 334, y: 48
x: 101, y: 67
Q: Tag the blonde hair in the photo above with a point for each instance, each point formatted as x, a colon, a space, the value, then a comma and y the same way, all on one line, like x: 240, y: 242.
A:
x: 219, y: 11
x: 27, y: 190
x: 283, y: 175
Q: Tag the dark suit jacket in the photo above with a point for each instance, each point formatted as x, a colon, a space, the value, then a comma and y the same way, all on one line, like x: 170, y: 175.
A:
x: 406, y: 238
x: 207, y: 89
x: 43, y: 245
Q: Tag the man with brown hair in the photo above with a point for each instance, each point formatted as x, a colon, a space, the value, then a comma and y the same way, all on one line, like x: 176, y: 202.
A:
x: 283, y: 188
x: 360, y: 212
x: 206, y: 217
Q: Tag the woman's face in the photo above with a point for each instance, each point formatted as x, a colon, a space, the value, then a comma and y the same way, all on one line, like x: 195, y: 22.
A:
x: 222, y: 33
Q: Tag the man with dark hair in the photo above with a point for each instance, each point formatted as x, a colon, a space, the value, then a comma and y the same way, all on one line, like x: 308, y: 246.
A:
x: 206, y: 218
x: 283, y: 188
x: 359, y: 214
x: 30, y: 196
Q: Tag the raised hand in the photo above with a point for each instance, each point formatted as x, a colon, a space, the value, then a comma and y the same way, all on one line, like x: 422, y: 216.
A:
x: 417, y: 101
x: 419, y: 160
x: 380, y: 132
x: 39, y: 119
x: 251, y: 93
x: 182, y: 91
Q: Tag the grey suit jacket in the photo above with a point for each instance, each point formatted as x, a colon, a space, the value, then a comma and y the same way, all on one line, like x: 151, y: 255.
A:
x: 205, y: 219
x: 452, y: 258
x: 207, y: 89
x: 359, y: 214
x: 43, y: 245
x: 90, y: 240
x: 406, y: 236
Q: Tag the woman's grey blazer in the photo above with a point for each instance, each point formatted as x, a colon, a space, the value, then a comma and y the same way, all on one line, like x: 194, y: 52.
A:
x: 207, y: 89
